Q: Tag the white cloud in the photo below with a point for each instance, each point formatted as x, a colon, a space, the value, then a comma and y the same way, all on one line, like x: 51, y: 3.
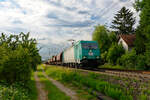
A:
x: 53, y: 22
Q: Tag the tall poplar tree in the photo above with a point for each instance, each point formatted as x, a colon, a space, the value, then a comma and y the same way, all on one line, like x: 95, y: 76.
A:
x: 100, y: 34
x: 143, y: 31
x: 123, y: 22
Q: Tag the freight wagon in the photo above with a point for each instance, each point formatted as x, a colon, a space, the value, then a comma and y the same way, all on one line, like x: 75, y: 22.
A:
x: 59, y: 59
x: 53, y: 60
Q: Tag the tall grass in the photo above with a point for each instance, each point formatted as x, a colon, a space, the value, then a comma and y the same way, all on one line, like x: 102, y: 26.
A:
x: 13, y: 92
x: 18, y: 91
x: 87, y: 80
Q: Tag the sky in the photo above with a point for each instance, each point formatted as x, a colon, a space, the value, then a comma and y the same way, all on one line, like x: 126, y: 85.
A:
x: 54, y: 22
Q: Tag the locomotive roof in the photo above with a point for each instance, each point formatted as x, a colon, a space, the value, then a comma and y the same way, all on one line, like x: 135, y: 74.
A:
x: 83, y: 41
x: 80, y: 41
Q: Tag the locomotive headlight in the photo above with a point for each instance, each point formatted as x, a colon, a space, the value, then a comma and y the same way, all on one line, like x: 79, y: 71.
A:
x: 97, y: 57
x: 84, y: 57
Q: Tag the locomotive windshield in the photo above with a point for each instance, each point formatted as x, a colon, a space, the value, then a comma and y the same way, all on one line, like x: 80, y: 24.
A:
x: 89, y: 45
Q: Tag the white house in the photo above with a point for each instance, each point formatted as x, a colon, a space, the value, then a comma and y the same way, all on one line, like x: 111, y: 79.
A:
x: 127, y: 41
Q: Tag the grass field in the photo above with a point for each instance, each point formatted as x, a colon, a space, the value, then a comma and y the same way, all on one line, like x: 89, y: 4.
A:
x: 115, y: 87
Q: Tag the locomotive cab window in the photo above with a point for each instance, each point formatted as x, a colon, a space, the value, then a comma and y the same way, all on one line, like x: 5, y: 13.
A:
x: 89, y: 45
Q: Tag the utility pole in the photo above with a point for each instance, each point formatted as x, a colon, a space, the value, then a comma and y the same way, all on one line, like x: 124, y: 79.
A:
x: 49, y: 51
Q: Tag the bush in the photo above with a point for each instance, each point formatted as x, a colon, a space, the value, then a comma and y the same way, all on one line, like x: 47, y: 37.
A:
x: 103, y: 57
x: 106, y: 65
x: 128, y: 60
x: 18, y: 66
x: 147, y: 54
x: 143, y: 97
x: 115, y: 52
x: 13, y: 92
x: 18, y: 57
x: 141, y: 62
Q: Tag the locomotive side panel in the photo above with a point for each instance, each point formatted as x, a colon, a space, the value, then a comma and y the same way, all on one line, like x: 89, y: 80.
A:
x: 78, y: 52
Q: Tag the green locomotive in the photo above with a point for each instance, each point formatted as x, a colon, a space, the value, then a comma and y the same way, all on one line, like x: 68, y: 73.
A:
x: 82, y: 54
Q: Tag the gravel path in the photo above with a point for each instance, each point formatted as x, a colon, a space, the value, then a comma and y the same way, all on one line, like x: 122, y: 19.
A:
x: 67, y: 91
x: 42, y: 95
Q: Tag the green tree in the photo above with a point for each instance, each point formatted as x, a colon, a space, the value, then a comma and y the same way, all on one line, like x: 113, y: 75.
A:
x: 143, y: 31
x: 114, y: 53
x: 100, y: 34
x: 112, y: 37
x: 140, y: 45
x: 123, y: 22
x: 18, y: 58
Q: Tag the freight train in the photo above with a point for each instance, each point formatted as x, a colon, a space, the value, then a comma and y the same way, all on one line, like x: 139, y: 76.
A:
x: 81, y: 54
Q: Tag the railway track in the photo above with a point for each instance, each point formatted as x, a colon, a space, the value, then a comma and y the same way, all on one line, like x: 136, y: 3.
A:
x: 132, y: 74
x: 122, y: 70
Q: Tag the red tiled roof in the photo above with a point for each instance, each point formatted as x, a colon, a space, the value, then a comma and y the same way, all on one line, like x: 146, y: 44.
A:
x: 129, y: 39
